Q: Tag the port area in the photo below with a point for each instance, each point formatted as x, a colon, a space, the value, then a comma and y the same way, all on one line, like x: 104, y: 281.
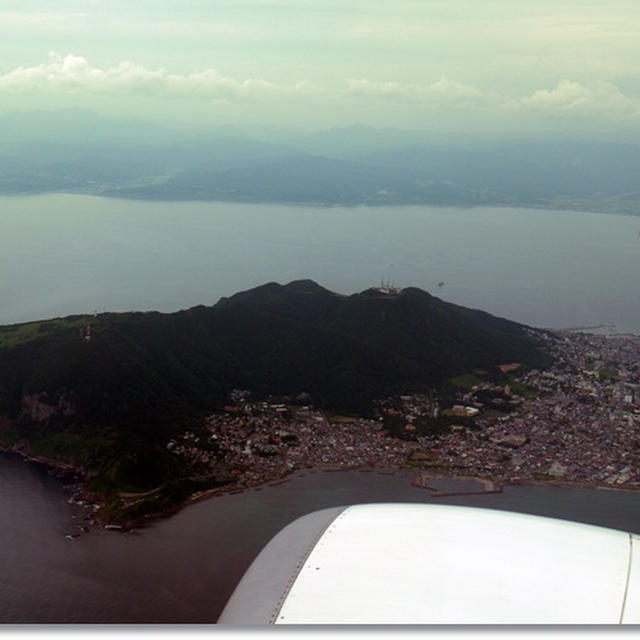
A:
x: 442, y: 486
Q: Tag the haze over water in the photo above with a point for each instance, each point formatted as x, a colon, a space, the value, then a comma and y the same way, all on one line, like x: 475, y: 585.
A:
x: 65, y: 254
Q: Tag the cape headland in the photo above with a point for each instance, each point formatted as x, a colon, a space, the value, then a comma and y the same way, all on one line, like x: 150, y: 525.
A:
x: 156, y: 410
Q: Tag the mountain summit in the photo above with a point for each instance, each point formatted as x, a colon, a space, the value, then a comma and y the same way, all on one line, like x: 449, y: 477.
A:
x: 274, y: 339
x: 348, y: 349
x: 108, y: 393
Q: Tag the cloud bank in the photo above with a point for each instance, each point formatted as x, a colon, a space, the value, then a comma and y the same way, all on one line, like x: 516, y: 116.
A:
x: 72, y: 73
x: 74, y: 78
x: 570, y: 98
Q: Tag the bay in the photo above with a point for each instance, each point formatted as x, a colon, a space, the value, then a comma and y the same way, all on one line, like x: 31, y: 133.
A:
x: 184, y: 568
x: 65, y: 254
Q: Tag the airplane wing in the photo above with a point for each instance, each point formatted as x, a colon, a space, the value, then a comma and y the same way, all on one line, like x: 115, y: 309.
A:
x: 437, y: 564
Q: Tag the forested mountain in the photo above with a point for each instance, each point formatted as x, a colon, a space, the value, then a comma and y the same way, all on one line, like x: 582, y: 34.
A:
x: 106, y: 393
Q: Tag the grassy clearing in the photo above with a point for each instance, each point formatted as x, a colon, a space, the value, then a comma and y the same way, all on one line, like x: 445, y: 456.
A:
x: 522, y: 389
x: 17, y: 334
x: 465, y: 381
x: 608, y: 374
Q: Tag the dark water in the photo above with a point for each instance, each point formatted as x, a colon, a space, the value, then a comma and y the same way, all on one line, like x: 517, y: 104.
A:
x: 64, y: 254
x: 184, y: 568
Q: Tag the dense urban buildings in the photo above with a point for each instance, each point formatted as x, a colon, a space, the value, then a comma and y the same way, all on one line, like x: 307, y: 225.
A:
x: 575, y: 422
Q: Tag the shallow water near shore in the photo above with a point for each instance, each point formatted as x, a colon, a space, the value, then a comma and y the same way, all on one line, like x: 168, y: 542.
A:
x: 183, y: 569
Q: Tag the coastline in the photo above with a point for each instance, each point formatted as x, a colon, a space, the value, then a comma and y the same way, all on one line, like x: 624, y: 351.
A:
x: 579, y: 206
x: 48, y: 462
x: 422, y: 478
x: 487, y: 486
x: 520, y: 446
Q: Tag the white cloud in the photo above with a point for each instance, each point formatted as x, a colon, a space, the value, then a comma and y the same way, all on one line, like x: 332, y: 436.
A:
x: 443, y: 91
x: 75, y: 74
x: 570, y: 99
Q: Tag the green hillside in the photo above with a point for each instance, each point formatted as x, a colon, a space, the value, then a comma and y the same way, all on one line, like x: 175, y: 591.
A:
x: 110, y: 404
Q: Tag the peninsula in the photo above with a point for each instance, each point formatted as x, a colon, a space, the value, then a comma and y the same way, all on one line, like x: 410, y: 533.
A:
x: 156, y: 410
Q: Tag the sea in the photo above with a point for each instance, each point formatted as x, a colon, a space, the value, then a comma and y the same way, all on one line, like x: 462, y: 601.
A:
x: 65, y: 254
x: 184, y: 568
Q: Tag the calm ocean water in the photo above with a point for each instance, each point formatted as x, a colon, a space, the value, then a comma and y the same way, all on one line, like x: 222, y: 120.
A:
x: 64, y: 254
x: 183, y: 569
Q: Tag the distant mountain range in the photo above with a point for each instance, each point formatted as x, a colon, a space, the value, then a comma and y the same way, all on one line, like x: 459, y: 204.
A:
x: 142, y: 378
x: 85, y: 153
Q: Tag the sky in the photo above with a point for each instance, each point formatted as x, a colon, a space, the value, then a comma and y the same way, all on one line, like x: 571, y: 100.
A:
x: 492, y: 66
